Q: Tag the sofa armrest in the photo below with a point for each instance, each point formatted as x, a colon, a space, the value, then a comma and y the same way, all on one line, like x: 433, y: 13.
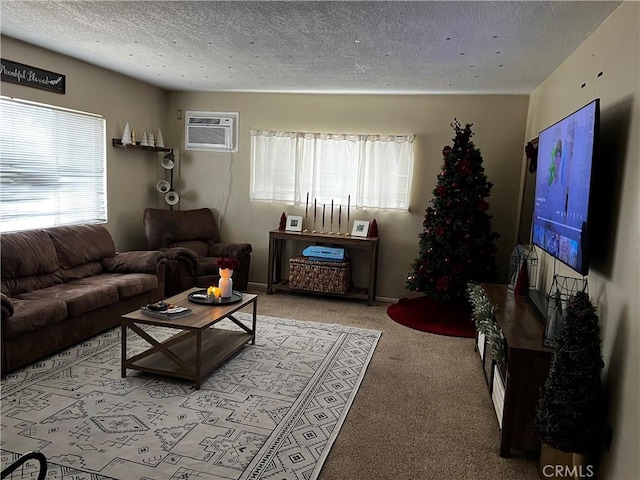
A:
x: 134, y: 262
x: 7, y: 306
x: 234, y: 250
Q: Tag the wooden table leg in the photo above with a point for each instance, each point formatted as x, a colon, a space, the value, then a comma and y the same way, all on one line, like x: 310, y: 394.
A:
x: 198, y: 359
x: 255, y: 311
x: 123, y: 333
x: 272, y: 252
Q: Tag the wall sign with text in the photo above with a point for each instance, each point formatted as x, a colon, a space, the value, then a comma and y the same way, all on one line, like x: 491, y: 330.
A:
x: 22, y: 74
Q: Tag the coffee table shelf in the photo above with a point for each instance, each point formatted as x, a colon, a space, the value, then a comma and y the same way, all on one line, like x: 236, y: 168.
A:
x: 220, y: 345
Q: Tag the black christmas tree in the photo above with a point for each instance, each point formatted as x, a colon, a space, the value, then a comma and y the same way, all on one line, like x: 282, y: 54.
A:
x: 457, y: 244
x: 569, y: 413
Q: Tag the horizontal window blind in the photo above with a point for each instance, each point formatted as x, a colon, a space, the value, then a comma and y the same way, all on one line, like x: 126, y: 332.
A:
x: 373, y: 171
x: 52, y: 166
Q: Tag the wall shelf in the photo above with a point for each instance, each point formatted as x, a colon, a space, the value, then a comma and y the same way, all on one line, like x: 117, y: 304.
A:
x: 116, y: 142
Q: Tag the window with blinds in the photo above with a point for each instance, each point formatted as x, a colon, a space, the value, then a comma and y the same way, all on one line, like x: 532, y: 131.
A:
x: 374, y: 171
x: 52, y: 166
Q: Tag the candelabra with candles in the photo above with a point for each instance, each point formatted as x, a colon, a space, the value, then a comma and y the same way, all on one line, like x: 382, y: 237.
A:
x: 331, y: 219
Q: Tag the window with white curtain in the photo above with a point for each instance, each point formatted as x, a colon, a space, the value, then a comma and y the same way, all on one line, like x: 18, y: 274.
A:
x: 52, y: 166
x: 370, y: 171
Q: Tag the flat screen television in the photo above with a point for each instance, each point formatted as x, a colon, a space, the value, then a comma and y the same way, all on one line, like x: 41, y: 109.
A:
x: 566, y: 154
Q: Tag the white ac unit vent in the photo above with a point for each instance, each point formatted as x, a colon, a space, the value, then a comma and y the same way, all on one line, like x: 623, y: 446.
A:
x: 211, y: 131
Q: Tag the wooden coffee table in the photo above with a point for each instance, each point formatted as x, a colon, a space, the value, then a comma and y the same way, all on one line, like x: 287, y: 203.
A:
x: 198, y: 348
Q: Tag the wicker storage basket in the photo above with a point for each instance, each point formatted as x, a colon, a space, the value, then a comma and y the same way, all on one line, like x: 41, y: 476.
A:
x: 318, y: 276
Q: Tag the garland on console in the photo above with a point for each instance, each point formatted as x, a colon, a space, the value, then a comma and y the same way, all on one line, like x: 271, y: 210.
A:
x: 482, y: 313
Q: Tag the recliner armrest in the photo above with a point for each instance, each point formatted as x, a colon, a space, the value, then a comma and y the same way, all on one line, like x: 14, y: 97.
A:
x: 134, y: 262
x: 234, y: 250
x: 7, y: 306
x: 176, y: 253
x: 182, y: 255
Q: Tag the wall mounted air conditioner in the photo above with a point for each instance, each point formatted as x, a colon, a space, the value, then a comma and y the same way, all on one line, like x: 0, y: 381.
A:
x: 211, y: 131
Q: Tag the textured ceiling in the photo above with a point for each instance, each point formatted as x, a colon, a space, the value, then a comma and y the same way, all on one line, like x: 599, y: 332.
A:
x: 342, y: 47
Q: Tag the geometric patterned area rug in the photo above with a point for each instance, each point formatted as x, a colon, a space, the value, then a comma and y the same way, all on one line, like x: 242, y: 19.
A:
x: 272, y: 411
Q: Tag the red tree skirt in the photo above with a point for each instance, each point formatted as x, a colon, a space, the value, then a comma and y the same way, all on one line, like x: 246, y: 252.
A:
x: 429, y: 315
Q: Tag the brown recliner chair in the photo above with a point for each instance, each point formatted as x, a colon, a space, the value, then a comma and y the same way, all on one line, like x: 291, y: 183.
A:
x: 191, y: 241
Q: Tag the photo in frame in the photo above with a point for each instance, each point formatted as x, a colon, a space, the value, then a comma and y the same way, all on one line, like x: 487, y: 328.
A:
x: 294, y: 223
x: 360, y: 228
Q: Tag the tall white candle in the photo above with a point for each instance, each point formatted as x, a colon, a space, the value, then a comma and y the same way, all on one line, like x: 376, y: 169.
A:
x: 306, y: 209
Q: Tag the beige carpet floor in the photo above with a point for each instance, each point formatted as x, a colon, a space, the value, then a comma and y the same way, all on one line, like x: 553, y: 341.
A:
x: 423, y: 411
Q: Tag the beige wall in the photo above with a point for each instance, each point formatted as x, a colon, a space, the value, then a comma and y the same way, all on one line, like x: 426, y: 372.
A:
x: 131, y: 174
x: 614, y: 278
x: 221, y: 180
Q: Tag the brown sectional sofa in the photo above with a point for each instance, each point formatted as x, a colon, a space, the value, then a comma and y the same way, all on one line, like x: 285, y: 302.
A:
x: 62, y: 285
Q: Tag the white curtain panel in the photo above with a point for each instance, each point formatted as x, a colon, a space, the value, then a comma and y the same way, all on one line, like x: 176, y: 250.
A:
x: 369, y: 171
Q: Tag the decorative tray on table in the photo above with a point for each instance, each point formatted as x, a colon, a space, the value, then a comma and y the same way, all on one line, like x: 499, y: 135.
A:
x: 200, y: 296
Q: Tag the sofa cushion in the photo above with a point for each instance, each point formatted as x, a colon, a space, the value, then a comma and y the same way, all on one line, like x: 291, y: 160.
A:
x: 82, y: 271
x: 135, y: 261
x: 31, y: 315
x: 78, y: 245
x: 128, y: 285
x: 29, y: 262
x: 79, y: 298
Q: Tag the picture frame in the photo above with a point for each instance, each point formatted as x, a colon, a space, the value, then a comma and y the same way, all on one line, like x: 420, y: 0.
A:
x: 360, y: 228
x: 294, y: 223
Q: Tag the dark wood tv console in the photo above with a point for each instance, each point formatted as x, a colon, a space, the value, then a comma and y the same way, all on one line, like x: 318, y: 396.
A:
x: 516, y: 389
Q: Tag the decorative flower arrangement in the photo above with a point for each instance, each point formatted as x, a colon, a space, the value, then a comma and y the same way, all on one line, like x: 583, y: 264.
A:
x: 228, y: 262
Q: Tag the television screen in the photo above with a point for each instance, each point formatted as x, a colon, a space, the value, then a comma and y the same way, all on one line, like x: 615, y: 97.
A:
x: 563, y: 182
